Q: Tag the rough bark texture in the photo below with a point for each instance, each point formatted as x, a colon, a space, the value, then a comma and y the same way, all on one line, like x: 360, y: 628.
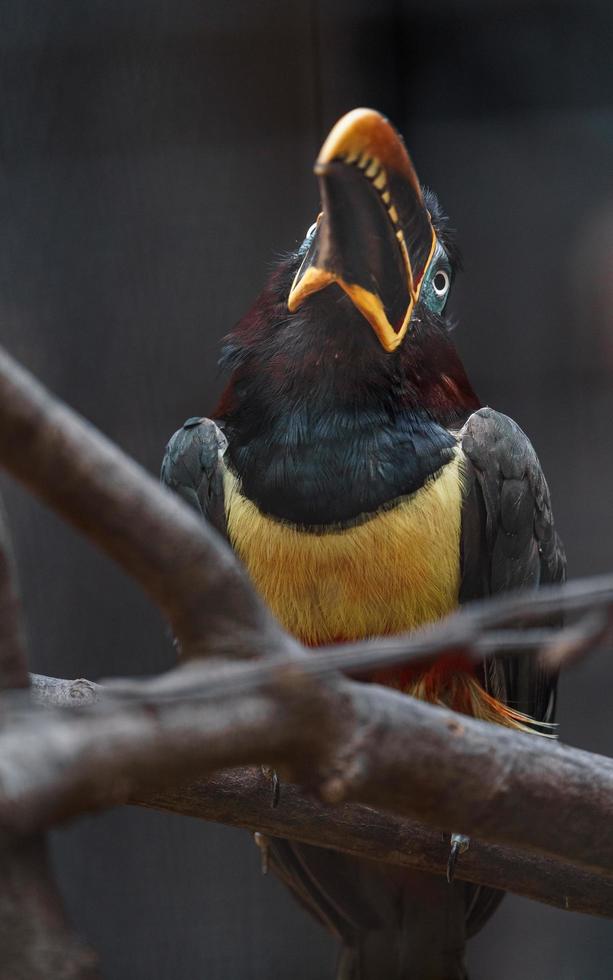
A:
x: 241, y: 798
x: 346, y: 740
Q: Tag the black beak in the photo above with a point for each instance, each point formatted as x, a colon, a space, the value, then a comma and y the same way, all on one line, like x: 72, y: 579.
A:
x: 374, y: 238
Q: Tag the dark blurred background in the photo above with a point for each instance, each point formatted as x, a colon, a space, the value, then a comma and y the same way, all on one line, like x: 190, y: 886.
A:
x: 156, y: 155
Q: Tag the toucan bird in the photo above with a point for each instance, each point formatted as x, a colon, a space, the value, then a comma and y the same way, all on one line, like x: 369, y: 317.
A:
x: 351, y: 467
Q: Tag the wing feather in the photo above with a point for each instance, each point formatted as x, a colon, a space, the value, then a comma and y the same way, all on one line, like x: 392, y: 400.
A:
x: 509, y: 541
x: 192, y: 467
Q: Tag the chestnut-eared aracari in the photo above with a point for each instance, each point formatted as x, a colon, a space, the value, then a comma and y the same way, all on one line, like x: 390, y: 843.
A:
x: 351, y: 467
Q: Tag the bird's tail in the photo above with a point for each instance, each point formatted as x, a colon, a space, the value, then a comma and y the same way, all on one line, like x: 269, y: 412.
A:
x: 392, y: 923
x: 424, y: 940
x: 379, y: 956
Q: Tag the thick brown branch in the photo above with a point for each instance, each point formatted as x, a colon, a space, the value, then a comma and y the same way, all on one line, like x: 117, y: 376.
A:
x: 456, y: 773
x: 55, y: 764
x: 241, y: 798
x: 353, y: 741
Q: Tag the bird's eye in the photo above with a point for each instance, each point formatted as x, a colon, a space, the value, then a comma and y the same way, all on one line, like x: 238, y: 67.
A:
x: 441, y: 283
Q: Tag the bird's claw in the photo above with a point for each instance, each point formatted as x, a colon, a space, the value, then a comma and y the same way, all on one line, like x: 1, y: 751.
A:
x: 263, y: 844
x: 275, y: 785
x: 276, y: 790
x: 459, y: 844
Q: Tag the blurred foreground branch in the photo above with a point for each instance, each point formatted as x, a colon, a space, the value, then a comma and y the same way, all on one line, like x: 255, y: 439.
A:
x: 35, y: 938
x: 260, y: 697
x: 242, y: 798
x: 342, y: 739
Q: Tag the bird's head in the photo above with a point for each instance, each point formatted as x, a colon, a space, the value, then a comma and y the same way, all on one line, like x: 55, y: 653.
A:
x: 358, y: 310
x: 374, y: 237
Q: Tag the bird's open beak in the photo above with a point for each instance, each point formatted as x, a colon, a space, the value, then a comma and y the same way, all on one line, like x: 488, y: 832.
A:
x: 374, y: 238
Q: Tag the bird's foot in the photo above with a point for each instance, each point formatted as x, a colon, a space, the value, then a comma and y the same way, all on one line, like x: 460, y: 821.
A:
x: 275, y: 785
x: 459, y: 844
x: 263, y: 844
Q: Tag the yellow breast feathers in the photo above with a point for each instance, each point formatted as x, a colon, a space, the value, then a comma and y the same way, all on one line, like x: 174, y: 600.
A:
x: 394, y: 572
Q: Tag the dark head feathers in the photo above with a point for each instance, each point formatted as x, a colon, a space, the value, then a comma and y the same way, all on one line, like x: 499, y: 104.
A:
x: 447, y: 236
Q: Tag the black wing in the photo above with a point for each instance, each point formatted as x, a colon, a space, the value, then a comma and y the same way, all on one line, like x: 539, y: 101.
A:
x: 192, y: 468
x: 508, y: 542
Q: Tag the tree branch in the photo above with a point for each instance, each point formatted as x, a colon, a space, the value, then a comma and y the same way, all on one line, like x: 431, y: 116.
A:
x: 346, y: 740
x: 35, y: 939
x: 58, y: 693
x: 241, y: 798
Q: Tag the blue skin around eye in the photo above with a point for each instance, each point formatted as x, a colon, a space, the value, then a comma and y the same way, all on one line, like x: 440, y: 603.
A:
x: 428, y: 296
